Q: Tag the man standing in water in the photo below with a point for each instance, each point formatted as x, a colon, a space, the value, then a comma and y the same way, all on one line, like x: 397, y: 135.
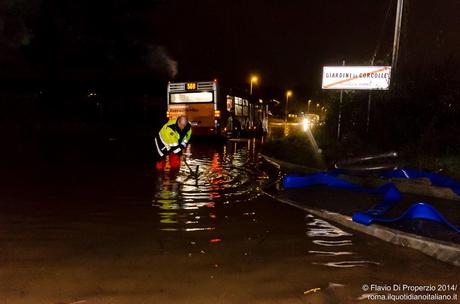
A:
x: 170, y: 141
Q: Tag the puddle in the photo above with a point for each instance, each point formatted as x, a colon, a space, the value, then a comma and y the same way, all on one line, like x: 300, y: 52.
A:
x: 188, y: 202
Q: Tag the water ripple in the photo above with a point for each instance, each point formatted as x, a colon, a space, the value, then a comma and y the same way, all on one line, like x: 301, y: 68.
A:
x: 228, y: 176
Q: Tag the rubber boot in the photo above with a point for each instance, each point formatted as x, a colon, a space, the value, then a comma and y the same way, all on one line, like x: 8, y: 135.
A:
x: 160, y: 165
x: 174, y: 161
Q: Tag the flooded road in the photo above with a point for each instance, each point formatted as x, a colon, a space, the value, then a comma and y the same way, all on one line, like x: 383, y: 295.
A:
x: 124, y: 234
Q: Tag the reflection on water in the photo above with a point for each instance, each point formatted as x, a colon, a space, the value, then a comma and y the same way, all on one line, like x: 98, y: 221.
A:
x: 318, y: 228
x: 321, y: 228
x: 332, y: 243
x: 348, y: 264
x: 192, y: 202
x: 188, y: 202
x: 330, y: 253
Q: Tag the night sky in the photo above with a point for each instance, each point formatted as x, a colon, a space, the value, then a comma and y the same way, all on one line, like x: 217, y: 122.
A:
x: 285, y: 42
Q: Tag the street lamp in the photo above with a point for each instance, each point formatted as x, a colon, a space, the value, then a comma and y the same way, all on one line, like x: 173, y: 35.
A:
x: 308, y: 108
x: 288, y: 94
x: 254, y: 79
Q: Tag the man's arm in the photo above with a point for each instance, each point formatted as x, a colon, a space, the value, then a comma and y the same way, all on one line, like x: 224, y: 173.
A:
x: 186, y: 139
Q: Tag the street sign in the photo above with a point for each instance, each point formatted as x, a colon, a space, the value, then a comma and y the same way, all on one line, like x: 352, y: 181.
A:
x: 356, y: 77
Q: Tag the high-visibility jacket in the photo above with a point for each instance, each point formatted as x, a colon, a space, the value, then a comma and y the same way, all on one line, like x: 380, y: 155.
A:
x: 172, y: 139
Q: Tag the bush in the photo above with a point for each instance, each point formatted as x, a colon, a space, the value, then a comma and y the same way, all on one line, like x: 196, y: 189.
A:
x: 296, y: 148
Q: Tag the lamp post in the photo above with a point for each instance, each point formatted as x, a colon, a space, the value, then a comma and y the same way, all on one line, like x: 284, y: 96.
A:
x: 308, y: 107
x: 288, y: 94
x: 254, y: 79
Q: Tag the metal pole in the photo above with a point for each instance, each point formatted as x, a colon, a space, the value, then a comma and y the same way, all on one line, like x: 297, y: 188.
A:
x: 369, y: 101
x: 285, y: 115
x: 397, y: 34
x: 340, y: 115
x: 286, y: 110
x: 340, y: 110
x: 250, y: 91
x: 308, y: 107
x: 368, y: 112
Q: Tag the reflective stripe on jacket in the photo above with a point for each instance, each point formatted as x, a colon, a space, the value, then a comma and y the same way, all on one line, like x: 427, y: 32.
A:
x: 171, y: 138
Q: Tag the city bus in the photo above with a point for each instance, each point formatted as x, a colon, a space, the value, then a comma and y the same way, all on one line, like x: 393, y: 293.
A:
x: 248, y: 115
x: 211, y: 111
x: 199, y: 101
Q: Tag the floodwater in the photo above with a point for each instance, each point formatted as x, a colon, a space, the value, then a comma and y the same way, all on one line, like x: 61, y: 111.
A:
x: 117, y: 233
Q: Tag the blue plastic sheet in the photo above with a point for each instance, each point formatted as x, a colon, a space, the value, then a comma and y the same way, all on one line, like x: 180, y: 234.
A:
x: 436, y: 179
x: 391, y: 196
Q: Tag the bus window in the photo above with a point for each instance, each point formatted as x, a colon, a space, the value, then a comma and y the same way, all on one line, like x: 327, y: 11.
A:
x: 191, y: 97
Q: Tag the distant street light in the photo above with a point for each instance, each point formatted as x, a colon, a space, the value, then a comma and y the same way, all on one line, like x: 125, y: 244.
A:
x: 308, y: 107
x: 254, y: 79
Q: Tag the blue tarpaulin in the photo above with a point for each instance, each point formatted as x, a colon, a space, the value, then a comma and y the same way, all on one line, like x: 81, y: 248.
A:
x: 391, y: 195
x: 436, y: 179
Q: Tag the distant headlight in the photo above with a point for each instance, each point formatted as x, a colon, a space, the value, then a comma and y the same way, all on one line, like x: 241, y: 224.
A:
x: 306, y: 124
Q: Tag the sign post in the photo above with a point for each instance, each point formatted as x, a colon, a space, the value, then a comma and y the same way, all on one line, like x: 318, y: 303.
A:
x: 339, y: 120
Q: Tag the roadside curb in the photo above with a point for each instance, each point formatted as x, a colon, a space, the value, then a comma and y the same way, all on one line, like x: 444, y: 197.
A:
x: 290, y: 166
x: 443, y: 251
